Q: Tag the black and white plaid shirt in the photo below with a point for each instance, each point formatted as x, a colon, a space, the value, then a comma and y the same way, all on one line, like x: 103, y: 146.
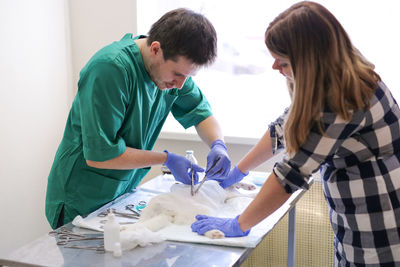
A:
x: 359, y: 162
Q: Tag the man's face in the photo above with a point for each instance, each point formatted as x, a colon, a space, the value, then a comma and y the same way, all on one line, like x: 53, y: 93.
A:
x: 168, y: 74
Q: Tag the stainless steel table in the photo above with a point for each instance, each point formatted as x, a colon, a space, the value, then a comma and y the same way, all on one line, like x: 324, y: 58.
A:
x: 45, y: 252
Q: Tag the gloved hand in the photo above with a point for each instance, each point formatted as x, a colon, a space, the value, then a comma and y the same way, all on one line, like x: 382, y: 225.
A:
x: 218, y: 162
x: 234, y: 176
x: 180, y: 168
x: 229, y: 226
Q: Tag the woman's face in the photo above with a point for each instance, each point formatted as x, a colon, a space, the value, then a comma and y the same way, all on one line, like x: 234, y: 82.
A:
x: 283, y: 65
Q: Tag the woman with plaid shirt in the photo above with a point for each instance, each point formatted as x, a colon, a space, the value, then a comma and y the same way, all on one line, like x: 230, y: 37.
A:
x: 342, y: 121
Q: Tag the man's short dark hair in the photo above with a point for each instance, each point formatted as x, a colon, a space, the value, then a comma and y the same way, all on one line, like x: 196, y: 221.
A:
x: 182, y: 32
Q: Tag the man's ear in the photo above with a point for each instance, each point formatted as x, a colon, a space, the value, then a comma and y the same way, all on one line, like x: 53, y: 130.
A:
x: 155, y: 48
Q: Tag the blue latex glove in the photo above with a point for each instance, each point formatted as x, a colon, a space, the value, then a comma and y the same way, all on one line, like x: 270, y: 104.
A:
x: 218, y: 162
x: 229, y: 226
x: 180, y: 168
x: 234, y: 176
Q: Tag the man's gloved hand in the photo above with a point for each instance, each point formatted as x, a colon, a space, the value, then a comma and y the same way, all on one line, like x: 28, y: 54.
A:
x: 234, y: 176
x: 180, y: 168
x: 218, y: 162
x: 229, y: 226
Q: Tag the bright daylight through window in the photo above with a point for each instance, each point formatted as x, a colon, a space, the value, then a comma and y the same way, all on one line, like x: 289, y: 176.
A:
x: 244, y: 91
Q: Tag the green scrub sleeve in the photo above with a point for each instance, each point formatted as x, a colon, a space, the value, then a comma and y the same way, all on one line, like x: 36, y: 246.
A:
x: 191, y: 107
x: 103, y: 97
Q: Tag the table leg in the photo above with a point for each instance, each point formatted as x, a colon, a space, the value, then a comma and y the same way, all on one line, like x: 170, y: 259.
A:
x: 291, y: 237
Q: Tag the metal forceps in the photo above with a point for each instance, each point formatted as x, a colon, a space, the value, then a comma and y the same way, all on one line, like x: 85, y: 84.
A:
x: 131, y: 207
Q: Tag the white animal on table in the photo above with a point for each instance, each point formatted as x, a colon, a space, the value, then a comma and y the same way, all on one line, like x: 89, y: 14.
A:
x: 179, y: 207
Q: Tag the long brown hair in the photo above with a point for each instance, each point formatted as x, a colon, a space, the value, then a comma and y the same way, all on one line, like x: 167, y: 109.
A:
x: 327, y: 69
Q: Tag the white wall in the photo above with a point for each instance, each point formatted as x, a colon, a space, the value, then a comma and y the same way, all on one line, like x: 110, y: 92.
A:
x: 35, y: 95
x: 95, y: 24
x: 44, y: 44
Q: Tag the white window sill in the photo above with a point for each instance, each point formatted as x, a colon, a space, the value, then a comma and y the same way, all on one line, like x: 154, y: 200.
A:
x: 194, y: 137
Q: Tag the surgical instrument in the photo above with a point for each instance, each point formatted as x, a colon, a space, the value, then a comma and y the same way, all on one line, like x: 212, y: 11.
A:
x: 205, y: 178
x: 117, y: 213
x: 65, y: 236
x: 131, y: 207
x: 64, y: 240
x: 198, y: 187
x: 121, y: 223
x: 63, y: 232
x: 192, y: 185
x: 141, y: 205
x: 99, y: 249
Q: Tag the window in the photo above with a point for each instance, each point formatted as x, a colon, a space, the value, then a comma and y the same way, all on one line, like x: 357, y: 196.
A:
x: 244, y: 91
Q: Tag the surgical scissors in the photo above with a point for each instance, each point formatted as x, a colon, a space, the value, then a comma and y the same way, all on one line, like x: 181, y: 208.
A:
x: 64, y: 236
x: 117, y: 213
x: 141, y: 205
x: 65, y: 239
x: 205, y: 178
x: 64, y: 232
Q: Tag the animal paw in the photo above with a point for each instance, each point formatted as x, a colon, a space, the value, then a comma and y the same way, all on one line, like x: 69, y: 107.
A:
x: 214, y: 234
x: 245, y: 186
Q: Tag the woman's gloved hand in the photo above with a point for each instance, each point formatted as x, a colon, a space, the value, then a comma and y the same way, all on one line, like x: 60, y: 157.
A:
x: 234, y: 176
x: 218, y: 162
x: 229, y: 226
x: 180, y: 168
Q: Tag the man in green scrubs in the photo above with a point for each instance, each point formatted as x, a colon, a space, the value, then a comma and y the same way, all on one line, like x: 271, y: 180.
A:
x: 125, y: 93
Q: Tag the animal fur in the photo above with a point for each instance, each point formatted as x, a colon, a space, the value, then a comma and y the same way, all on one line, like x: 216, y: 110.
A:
x: 179, y: 207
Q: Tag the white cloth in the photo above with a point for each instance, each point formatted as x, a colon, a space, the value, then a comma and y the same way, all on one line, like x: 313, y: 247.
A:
x: 216, y: 201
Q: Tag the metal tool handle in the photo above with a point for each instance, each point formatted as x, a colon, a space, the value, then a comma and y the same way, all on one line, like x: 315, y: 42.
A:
x: 192, y: 192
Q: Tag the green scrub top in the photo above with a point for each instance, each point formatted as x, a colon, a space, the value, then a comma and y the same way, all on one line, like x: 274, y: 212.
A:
x: 117, y: 106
